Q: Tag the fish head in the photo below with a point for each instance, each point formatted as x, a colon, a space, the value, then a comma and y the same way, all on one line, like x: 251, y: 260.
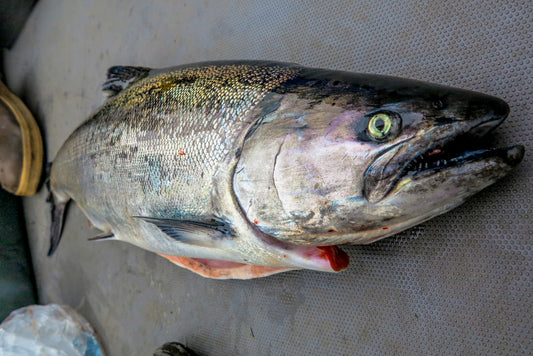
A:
x: 352, y: 158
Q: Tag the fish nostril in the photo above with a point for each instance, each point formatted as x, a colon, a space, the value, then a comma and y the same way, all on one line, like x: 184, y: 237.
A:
x: 439, y: 104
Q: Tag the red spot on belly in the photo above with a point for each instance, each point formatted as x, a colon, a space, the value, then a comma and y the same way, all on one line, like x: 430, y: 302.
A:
x: 332, y: 230
x: 338, y: 259
x: 326, y: 203
x: 385, y: 228
x: 256, y: 222
x: 181, y: 153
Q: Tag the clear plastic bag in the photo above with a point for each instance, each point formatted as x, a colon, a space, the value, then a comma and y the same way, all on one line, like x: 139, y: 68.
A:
x: 51, y: 330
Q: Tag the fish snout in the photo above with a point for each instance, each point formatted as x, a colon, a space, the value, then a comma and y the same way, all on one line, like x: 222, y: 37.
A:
x: 478, y: 113
x: 489, y: 111
x: 500, y: 107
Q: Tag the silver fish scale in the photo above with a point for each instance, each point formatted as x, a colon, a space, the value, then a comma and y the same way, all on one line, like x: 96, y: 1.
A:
x: 153, y: 149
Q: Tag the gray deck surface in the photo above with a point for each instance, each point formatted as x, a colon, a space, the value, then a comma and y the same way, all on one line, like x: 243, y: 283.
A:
x: 458, y: 284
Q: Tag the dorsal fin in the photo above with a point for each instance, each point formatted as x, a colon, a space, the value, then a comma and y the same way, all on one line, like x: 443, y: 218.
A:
x: 120, y: 77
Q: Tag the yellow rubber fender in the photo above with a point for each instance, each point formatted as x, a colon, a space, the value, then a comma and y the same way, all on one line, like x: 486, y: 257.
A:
x: 32, y: 144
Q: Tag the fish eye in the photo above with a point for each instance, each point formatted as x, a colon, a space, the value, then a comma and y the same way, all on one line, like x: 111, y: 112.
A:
x: 379, y: 125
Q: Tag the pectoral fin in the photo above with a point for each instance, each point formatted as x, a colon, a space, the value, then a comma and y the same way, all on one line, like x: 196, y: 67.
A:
x: 202, y: 233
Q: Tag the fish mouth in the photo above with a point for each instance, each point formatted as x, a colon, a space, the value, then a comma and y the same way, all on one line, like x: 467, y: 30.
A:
x: 392, y: 168
x: 438, y: 159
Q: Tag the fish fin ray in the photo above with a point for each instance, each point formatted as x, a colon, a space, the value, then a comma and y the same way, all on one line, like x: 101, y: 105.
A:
x: 202, y: 233
x: 107, y: 236
x: 120, y: 77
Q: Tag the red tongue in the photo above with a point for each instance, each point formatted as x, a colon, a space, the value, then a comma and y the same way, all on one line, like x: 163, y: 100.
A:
x: 338, y: 259
x: 435, y: 152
